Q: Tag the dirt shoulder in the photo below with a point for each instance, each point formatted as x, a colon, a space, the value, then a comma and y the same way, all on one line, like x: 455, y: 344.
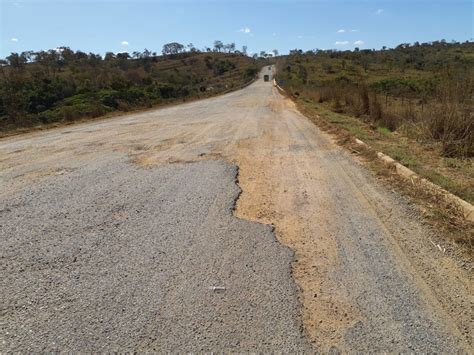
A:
x: 454, y: 175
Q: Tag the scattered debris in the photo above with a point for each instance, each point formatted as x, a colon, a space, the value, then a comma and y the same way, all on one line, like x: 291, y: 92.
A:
x: 441, y: 249
x: 217, y: 288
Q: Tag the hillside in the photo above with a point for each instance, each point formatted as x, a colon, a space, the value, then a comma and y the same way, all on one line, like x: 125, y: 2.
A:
x: 63, y: 85
x: 420, y: 83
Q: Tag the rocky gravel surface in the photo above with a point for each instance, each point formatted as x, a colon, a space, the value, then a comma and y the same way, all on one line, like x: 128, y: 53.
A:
x: 114, y: 257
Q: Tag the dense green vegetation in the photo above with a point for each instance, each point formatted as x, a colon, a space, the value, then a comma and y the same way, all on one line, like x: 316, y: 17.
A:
x: 65, y: 85
x: 424, y: 91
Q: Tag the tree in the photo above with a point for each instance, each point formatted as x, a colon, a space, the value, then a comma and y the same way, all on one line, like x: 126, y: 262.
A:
x: 296, y: 51
x: 303, y: 74
x: 263, y: 54
x: 191, y: 48
x: 94, y: 59
x: 146, y: 54
x: 16, y: 60
x: 110, y: 56
x: 28, y: 56
x: 230, y: 47
x: 172, y: 48
x: 218, y: 45
x: 135, y: 55
x: 244, y: 50
x: 80, y: 56
x: 65, y: 55
x: 123, y: 56
x: 275, y: 52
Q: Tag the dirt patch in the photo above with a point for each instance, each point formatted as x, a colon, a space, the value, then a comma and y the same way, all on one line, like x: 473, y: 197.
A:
x: 32, y: 176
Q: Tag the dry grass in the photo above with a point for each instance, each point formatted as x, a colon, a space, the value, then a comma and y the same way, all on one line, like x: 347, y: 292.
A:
x: 445, y: 217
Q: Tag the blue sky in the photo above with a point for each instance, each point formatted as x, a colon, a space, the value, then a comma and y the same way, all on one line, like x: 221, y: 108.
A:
x: 119, y: 25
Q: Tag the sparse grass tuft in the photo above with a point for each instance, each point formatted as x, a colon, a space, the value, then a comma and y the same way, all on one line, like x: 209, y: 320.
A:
x: 385, y: 131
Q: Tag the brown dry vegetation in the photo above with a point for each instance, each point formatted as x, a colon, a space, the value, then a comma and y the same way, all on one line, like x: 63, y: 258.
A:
x: 422, y: 91
x: 413, y: 103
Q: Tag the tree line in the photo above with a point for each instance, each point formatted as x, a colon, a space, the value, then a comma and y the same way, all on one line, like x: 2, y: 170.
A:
x: 63, y: 55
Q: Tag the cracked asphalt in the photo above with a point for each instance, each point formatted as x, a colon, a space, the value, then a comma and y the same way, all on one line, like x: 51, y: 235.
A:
x: 113, y: 257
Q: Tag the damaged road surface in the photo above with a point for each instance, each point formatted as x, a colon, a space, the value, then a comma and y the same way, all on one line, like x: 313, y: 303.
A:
x: 131, y: 234
x: 112, y: 257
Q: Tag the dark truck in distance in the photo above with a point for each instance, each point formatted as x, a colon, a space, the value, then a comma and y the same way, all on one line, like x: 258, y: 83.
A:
x: 266, y: 77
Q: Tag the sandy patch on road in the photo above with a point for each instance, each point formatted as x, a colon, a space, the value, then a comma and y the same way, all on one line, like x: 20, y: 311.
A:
x: 269, y: 200
x: 273, y: 192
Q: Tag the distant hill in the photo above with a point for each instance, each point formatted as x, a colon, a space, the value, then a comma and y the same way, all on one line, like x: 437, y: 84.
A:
x: 64, y: 85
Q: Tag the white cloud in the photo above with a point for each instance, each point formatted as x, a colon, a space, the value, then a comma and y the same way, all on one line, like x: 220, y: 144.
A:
x: 124, y: 43
x: 354, y: 31
x: 341, y: 43
x: 245, y: 30
x: 379, y: 11
x: 300, y: 36
x: 14, y: 39
x: 341, y: 31
x: 359, y: 42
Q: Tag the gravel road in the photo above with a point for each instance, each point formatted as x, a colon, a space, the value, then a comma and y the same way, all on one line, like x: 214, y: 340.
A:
x: 112, y: 233
x: 114, y: 257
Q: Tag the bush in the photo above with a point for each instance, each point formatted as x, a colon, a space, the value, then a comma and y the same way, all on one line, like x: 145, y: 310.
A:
x: 452, y: 126
x: 109, y: 98
x: 251, y: 72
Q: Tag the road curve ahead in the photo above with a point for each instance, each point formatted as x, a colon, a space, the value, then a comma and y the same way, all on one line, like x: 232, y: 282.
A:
x: 130, y: 234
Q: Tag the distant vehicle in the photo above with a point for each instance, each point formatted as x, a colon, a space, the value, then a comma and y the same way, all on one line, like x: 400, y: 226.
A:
x: 269, y: 67
x: 266, y: 77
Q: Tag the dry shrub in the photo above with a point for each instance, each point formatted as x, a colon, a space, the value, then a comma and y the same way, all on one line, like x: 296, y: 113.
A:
x: 123, y: 106
x: 452, y: 126
x: 365, y: 101
x: 375, y: 108
x: 390, y: 121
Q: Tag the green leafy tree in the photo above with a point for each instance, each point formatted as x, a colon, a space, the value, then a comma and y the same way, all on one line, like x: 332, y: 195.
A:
x: 172, y: 48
